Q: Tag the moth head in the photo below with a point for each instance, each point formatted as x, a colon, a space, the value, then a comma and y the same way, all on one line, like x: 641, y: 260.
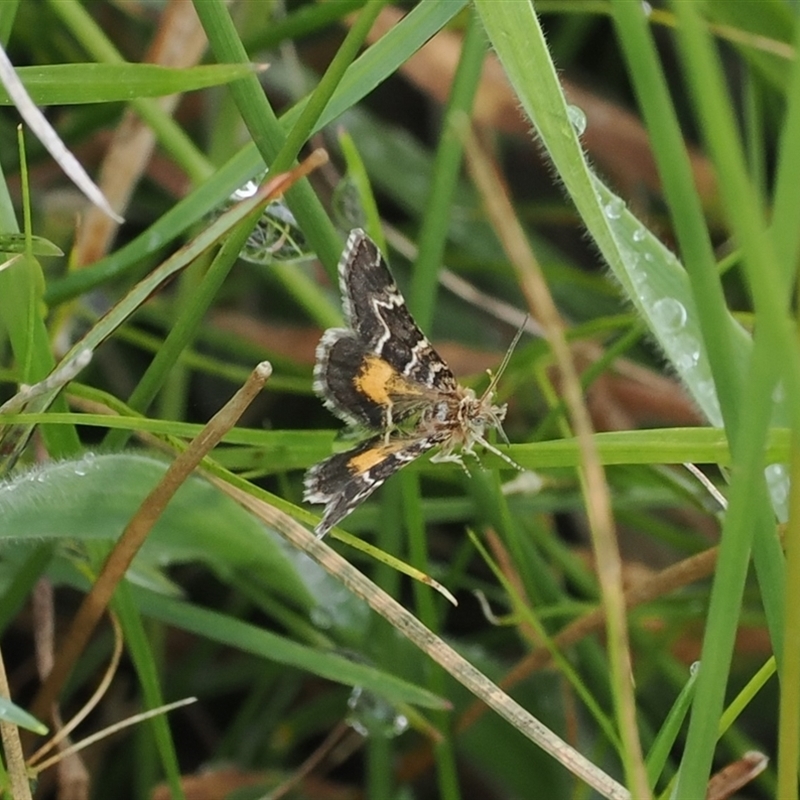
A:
x: 476, y: 414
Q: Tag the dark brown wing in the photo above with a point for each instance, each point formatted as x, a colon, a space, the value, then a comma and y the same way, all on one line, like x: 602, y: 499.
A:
x: 341, y: 356
x: 364, y: 389
x: 345, y: 480
x: 378, y: 314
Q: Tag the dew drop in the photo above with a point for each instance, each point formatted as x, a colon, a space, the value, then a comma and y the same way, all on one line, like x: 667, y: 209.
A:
x: 778, y: 483
x: 246, y: 190
x: 639, y: 235
x: 371, y: 715
x: 614, y: 208
x: 706, y: 391
x: 577, y: 118
x: 322, y: 618
x: 689, y: 354
x: 688, y: 359
x: 640, y: 281
x: 670, y: 314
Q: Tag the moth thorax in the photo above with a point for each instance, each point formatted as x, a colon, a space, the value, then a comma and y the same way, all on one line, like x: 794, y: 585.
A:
x: 440, y: 412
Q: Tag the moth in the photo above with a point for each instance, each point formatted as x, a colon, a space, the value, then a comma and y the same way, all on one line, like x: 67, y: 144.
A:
x: 382, y: 374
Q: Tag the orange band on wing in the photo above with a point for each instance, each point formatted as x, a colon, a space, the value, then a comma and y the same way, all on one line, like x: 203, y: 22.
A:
x: 362, y: 462
x: 379, y: 380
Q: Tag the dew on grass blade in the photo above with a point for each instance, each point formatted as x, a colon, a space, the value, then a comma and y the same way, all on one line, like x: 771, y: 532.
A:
x: 778, y: 483
x: 276, y: 238
x: 577, y: 118
x: 322, y: 618
x: 670, y: 313
x: 613, y: 208
x: 371, y: 715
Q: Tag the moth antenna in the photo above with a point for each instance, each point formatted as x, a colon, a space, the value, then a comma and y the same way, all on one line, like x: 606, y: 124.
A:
x: 504, y: 363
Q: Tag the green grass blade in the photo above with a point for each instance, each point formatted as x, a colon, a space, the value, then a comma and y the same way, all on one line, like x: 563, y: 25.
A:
x: 267, y: 132
x: 446, y: 173
x: 386, y: 56
x: 726, y: 353
x: 370, y: 69
x: 209, y: 195
x: 150, y: 680
x: 653, y: 279
x: 70, y: 84
x: 774, y: 343
x: 10, y: 712
x: 172, y: 137
x: 312, y: 109
x: 668, y: 734
x: 267, y: 645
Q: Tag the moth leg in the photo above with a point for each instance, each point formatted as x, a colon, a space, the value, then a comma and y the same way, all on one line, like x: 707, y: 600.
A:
x: 450, y: 458
x: 492, y: 449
